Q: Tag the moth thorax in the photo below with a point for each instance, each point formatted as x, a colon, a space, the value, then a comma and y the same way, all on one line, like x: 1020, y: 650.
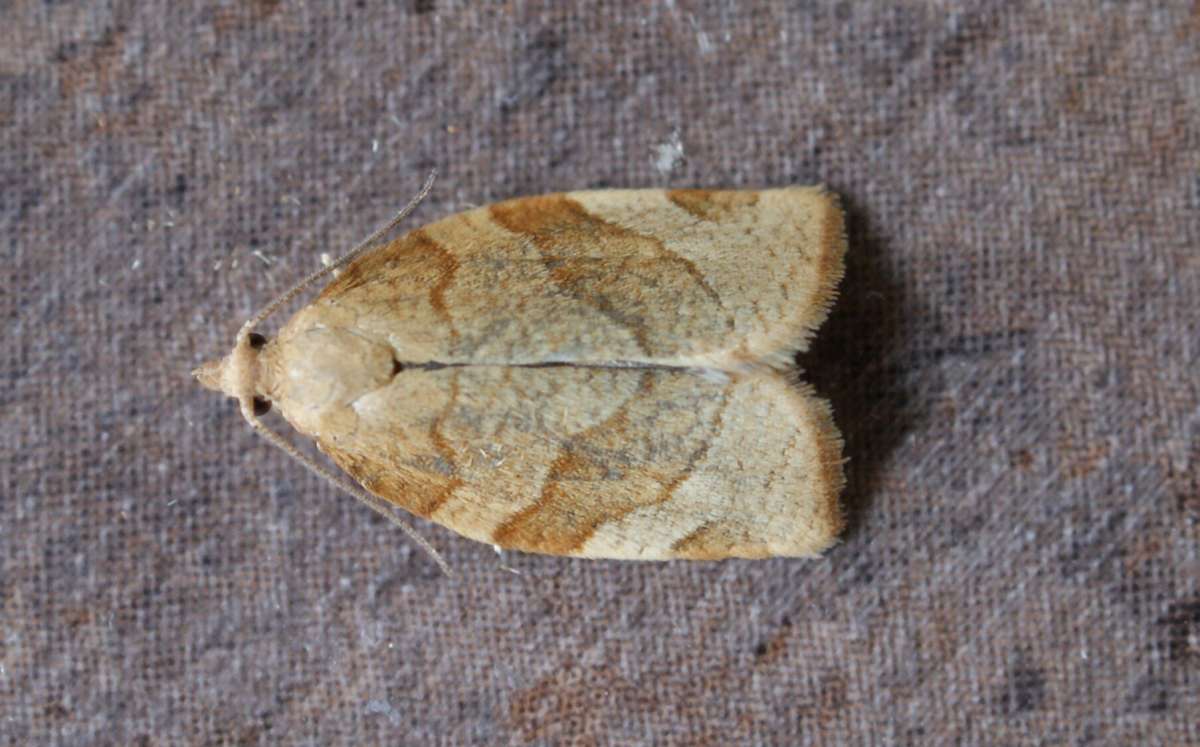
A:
x: 313, y: 372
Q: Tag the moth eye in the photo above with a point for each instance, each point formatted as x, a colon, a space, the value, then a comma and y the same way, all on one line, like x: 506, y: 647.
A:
x: 257, y: 340
x: 397, y: 367
x: 261, y: 406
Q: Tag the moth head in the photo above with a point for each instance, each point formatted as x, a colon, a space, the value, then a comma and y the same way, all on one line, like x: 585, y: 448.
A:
x: 236, y: 374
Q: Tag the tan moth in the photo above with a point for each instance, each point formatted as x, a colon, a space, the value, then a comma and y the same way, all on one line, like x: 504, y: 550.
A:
x: 602, y: 374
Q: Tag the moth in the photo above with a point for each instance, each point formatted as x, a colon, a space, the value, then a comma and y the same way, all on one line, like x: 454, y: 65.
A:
x: 599, y: 374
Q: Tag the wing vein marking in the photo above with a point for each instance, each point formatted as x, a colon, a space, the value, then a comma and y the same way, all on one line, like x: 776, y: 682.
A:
x: 448, y: 265
x: 445, y: 452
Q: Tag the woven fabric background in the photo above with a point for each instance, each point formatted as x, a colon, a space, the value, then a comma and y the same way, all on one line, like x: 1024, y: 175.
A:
x: 1013, y: 362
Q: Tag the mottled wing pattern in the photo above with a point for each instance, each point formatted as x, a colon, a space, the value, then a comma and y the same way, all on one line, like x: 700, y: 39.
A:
x: 640, y: 464
x: 684, y: 278
x: 589, y: 374
x: 773, y: 258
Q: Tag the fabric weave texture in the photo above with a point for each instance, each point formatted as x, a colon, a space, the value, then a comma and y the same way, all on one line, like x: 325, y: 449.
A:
x: 1012, y: 361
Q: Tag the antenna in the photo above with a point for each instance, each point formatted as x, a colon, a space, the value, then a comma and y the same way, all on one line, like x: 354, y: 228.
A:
x: 246, y: 401
x: 362, y: 246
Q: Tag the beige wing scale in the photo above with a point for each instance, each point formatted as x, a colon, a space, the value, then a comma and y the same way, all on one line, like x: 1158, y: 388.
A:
x: 722, y: 279
x: 635, y: 464
x: 501, y: 445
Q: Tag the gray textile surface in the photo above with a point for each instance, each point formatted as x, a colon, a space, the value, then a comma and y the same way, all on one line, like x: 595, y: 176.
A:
x: 1013, y: 362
